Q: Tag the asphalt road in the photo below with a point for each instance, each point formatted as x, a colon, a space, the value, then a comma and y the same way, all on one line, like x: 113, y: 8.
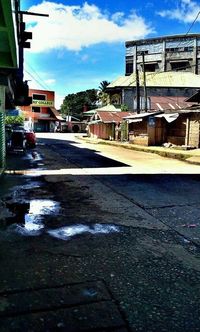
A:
x: 109, y: 240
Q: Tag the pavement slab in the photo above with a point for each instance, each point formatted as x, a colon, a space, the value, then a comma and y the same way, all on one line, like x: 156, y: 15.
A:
x: 103, y: 316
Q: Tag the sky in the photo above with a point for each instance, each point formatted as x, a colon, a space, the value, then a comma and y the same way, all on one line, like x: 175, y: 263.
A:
x: 82, y: 43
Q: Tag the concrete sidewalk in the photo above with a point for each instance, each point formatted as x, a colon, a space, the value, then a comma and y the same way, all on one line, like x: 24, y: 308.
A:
x: 191, y: 156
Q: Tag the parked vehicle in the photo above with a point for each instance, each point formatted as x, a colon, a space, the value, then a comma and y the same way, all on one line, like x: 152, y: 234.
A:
x: 30, y: 139
x: 18, y: 139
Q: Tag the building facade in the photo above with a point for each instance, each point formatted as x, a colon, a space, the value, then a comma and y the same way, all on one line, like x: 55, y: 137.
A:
x: 169, y: 53
x: 164, y: 90
x: 41, y: 115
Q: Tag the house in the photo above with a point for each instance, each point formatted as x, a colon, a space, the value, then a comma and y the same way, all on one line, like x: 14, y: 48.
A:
x: 164, y: 90
x: 167, y: 53
x: 178, y: 127
x: 41, y: 114
x: 72, y: 124
x: 108, y: 125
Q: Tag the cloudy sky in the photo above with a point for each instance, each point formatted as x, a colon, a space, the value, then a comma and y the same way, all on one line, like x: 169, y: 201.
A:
x: 82, y: 43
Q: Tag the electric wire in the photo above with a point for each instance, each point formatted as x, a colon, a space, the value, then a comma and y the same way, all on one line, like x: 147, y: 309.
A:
x: 36, y: 80
x: 185, y: 35
x: 38, y: 76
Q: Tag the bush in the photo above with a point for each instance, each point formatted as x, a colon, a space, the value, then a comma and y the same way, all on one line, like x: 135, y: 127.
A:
x: 18, y: 119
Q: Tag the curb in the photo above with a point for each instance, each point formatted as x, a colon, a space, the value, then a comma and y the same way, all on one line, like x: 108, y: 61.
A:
x: 174, y: 154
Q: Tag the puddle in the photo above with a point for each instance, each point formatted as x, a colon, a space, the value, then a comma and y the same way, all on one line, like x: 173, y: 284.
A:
x: 65, y: 233
x: 34, y: 156
x: 28, y: 217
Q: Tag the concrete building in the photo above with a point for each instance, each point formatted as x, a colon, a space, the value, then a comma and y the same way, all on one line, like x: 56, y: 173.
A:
x: 165, y: 90
x: 41, y: 115
x: 168, y: 53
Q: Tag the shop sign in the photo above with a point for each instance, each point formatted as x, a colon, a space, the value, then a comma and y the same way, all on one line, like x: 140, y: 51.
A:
x: 43, y: 103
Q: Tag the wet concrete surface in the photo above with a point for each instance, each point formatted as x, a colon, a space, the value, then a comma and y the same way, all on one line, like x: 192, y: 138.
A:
x: 89, y: 253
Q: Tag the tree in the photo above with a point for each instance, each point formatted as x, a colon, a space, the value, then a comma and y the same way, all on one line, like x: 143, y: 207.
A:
x: 103, y: 85
x: 75, y: 103
x: 103, y: 95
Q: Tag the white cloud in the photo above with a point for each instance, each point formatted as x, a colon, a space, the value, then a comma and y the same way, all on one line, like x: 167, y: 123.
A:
x: 50, y: 81
x: 186, y: 12
x: 76, y: 27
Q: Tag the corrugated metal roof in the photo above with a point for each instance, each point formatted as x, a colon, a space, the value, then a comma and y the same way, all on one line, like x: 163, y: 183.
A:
x: 168, y: 102
x: 57, y: 114
x: 107, y: 108
x: 108, y: 117
x: 194, y: 98
x: 140, y: 115
x: 159, y: 79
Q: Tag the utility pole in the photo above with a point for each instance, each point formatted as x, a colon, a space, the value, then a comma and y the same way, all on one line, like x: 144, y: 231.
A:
x: 137, y: 90
x: 144, y: 84
x: 23, y: 37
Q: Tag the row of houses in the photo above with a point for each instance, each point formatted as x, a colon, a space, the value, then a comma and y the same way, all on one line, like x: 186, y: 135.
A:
x: 160, y: 89
x: 181, y: 128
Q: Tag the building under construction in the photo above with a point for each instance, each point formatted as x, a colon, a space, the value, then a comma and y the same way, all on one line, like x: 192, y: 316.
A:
x: 168, y: 53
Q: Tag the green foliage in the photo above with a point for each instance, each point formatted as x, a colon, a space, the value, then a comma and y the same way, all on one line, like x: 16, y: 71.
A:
x: 18, y: 119
x: 103, y: 97
x: 74, y: 103
x: 124, y: 108
x: 103, y: 85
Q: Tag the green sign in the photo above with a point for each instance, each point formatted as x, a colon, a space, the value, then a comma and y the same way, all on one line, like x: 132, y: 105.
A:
x: 43, y: 103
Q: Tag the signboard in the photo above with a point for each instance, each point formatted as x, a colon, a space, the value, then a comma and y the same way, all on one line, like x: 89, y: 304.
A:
x: 43, y: 103
x: 13, y: 112
x: 151, y: 121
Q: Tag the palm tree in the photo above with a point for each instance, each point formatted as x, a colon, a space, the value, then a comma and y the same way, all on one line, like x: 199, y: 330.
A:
x: 103, y: 85
x: 103, y: 95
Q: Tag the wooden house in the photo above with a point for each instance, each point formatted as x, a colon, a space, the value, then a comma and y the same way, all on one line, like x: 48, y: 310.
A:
x: 107, y: 125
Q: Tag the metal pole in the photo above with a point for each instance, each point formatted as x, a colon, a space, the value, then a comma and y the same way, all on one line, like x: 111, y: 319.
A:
x: 144, y: 84
x: 137, y: 91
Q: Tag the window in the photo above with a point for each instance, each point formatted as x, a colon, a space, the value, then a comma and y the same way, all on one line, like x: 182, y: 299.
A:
x: 179, y: 49
x: 129, y: 64
x: 142, y: 52
x: 36, y: 109
x: 150, y: 67
x: 39, y: 97
x: 182, y: 65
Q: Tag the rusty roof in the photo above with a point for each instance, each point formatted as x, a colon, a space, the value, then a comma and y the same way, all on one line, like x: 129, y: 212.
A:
x: 168, y: 103
x: 108, y: 117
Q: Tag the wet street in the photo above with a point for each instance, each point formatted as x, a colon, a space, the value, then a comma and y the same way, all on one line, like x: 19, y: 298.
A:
x: 95, y: 238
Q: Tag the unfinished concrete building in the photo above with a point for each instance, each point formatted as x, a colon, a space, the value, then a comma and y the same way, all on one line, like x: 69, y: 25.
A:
x: 160, y: 54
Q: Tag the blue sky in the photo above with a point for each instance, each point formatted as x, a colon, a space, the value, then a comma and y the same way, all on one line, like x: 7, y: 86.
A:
x: 83, y: 42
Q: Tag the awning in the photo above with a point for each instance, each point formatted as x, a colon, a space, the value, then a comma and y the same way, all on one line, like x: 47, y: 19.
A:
x: 168, y: 117
x: 57, y: 114
x: 140, y: 115
x: 134, y: 120
x: 94, y: 122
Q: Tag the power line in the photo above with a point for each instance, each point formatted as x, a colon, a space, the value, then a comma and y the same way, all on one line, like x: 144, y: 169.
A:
x: 193, y: 23
x: 169, y: 71
x: 35, y: 79
x: 38, y: 76
x: 185, y: 35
